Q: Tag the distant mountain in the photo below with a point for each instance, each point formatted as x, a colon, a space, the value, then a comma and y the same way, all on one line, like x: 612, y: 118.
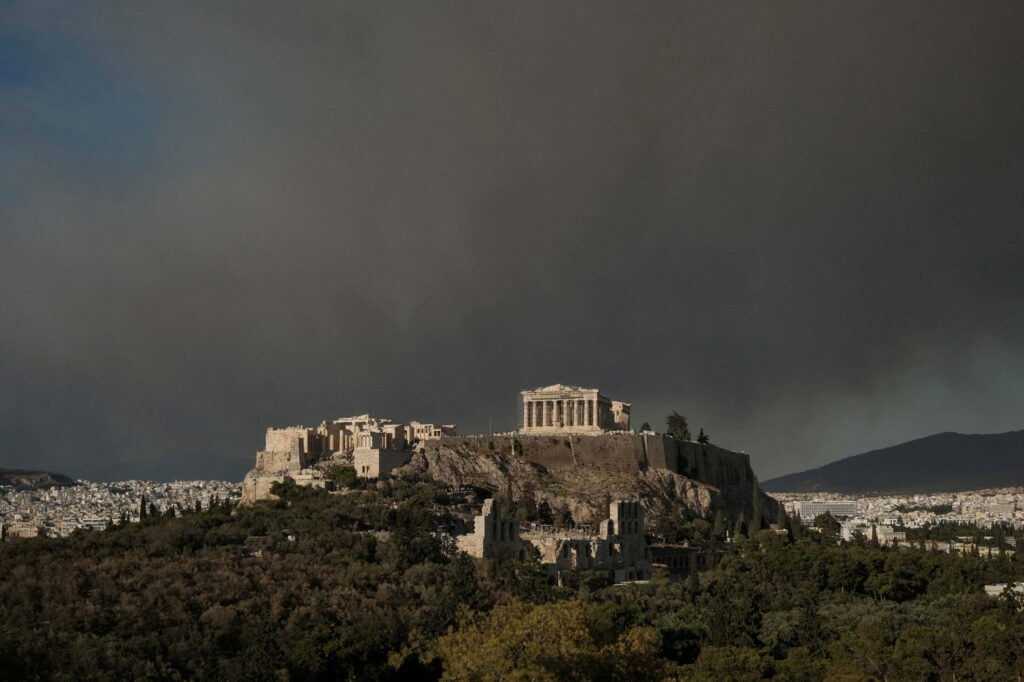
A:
x: 945, y: 462
x: 33, y: 480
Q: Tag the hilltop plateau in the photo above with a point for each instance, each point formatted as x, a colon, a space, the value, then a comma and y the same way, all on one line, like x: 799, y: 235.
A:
x: 579, y: 473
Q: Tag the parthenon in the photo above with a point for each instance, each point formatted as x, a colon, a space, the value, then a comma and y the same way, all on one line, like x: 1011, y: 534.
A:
x: 571, y: 409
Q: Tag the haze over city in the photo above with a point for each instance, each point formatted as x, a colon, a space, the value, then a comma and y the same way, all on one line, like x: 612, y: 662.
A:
x: 797, y: 226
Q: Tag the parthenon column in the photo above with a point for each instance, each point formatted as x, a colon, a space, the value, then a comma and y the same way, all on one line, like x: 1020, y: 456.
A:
x: 526, y: 413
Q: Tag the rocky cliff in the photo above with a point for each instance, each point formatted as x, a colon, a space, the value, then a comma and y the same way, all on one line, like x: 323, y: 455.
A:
x: 22, y: 479
x: 579, y: 472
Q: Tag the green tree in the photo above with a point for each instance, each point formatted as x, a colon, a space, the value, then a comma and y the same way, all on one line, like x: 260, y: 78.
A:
x: 781, y: 519
x: 343, y: 476
x: 544, y: 513
x: 756, y: 519
x: 563, y: 518
x: 731, y: 663
x: 545, y: 642
x: 677, y: 426
x: 645, y: 427
x: 703, y: 437
x: 800, y: 664
x: 830, y: 528
x: 795, y: 526
x: 693, y: 580
x: 740, y: 528
x: 718, y: 528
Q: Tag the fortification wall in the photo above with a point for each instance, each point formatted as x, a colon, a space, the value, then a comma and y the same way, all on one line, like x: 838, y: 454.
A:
x: 287, y: 439
x: 627, y: 453
x: 610, y: 451
x: 375, y: 462
x: 713, y: 465
x: 275, y: 461
x: 661, y: 452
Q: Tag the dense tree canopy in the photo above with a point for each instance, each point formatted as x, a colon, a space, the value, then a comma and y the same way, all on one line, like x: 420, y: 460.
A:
x: 364, y: 591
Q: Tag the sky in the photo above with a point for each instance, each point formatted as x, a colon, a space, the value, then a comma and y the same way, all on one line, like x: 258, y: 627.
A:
x: 797, y: 224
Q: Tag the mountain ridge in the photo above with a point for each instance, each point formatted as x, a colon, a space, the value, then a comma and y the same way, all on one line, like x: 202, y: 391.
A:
x: 943, y: 462
x: 25, y: 479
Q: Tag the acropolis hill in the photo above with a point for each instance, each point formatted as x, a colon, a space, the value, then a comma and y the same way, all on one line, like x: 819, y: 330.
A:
x: 574, y: 448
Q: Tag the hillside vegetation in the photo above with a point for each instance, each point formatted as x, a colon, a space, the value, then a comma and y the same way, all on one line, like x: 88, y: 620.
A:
x: 320, y: 586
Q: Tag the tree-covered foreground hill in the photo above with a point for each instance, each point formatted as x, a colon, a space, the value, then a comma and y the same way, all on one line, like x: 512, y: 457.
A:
x: 365, y: 592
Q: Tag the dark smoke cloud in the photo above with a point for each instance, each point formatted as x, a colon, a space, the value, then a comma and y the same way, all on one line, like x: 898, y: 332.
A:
x: 797, y: 224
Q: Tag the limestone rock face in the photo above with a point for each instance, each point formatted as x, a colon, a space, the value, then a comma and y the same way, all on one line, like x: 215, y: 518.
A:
x: 256, y: 485
x: 580, y: 476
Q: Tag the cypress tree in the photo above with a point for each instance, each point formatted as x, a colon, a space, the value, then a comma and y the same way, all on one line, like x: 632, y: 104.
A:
x: 795, y: 527
x: 718, y: 529
x: 755, y: 521
x: 740, y: 526
x: 142, y: 509
x: 782, y: 520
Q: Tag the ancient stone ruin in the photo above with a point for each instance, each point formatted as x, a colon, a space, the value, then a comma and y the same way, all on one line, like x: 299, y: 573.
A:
x: 571, y: 409
x: 304, y: 455
x: 617, y: 548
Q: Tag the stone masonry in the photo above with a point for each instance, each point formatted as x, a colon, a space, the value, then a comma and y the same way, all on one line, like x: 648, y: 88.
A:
x: 571, y: 409
x: 298, y: 453
x: 618, y: 548
x: 494, y: 536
